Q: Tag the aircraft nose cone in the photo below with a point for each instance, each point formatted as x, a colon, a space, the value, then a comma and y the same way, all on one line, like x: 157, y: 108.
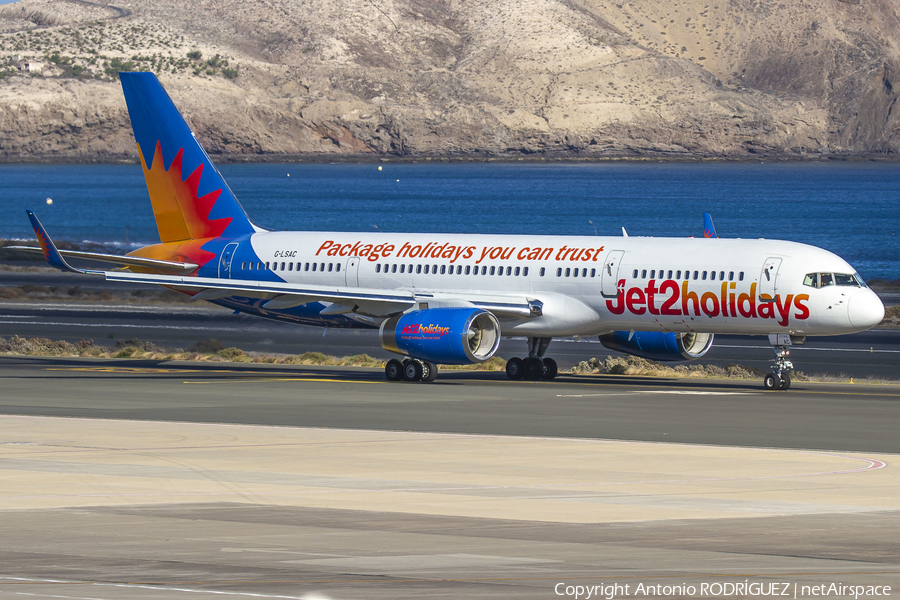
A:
x: 865, y: 309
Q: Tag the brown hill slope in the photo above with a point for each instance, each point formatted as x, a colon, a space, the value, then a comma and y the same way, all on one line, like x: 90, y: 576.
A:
x: 687, y: 78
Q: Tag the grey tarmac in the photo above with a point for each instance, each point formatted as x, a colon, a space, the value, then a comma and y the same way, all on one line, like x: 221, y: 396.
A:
x: 147, y: 479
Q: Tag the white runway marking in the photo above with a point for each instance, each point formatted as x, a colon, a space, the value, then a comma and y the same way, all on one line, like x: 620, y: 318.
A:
x: 681, y: 392
x: 136, y: 586
x: 120, y: 325
x: 872, y: 351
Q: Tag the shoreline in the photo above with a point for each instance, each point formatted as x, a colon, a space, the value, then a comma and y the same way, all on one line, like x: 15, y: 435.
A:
x: 512, y: 158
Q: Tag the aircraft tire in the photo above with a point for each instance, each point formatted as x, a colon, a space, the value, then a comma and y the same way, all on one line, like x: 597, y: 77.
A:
x: 771, y: 381
x: 515, y: 368
x: 412, y: 370
x: 534, y: 368
x: 785, y: 382
x: 430, y: 372
x: 550, y: 369
x: 393, y: 370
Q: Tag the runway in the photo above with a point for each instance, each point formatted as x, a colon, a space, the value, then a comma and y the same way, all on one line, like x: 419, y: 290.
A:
x: 139, y: 479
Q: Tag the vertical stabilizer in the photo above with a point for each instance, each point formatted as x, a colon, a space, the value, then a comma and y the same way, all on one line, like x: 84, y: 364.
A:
x: 191, y: 200
x: 709, y: 230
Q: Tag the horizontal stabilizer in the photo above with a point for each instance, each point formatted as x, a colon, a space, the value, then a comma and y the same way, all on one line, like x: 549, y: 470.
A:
x: 48, y: 248
x: 166, y: 266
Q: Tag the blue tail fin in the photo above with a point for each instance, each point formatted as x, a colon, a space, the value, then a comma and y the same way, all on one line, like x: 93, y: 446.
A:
x: 191, y: 200
x: 709, y: 230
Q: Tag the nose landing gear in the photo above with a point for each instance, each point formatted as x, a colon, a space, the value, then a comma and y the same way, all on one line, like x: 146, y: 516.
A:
x: 779, y: 378
x: 535, y: 366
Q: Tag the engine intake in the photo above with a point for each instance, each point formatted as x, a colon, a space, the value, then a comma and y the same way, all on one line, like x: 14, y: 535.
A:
x: 659, y: 345
x: 452, y: 336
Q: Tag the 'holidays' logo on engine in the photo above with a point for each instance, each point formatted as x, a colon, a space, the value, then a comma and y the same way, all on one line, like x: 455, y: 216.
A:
x: 420, y: 329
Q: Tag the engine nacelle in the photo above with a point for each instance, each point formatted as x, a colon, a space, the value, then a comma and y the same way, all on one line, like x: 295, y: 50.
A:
x: 452, y: 336
x: 659, y: 345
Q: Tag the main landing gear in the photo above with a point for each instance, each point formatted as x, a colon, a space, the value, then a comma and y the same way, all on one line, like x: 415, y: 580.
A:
x: 411, y: 369
x: 535, y: 366
x: 779, y: 378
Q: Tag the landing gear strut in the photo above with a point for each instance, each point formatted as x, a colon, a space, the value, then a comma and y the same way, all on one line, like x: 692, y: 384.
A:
x: 535, y: 366
x: 411, y: 369
x: 779, y: 378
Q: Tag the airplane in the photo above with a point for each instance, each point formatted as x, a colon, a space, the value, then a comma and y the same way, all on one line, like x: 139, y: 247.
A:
x: 449, y: 298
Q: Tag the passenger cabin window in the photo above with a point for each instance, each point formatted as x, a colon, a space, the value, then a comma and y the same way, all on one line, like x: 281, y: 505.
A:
x: 593, y: 272
x: 634, y: 274
x: 704, y: 275
x: 314, y: 266
x: 678, y: 274
x: 543, y: 270
x: 559, y: 272
x: 525, y: 272
x: 644, y: 274
x: 731, y: 276
x: 468, y: 269
x: 741, y: 276
x: 712, y: 276
x: 696, y: 275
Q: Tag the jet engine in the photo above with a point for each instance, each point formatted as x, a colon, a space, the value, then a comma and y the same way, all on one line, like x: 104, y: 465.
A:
x: 451, y: 336
x: 658, y: 345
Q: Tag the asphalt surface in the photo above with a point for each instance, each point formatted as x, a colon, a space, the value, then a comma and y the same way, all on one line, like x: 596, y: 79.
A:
x: 251, y: 548
x: 847, y: 417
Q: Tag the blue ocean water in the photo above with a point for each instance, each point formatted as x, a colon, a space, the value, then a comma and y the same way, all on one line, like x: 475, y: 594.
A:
x: 852, y: 209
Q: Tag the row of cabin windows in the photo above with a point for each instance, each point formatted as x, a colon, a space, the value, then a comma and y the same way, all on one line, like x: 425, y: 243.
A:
x: 570, y: 272
x: 704, y: 275
x: 275, y: 266
x: 450, y: 270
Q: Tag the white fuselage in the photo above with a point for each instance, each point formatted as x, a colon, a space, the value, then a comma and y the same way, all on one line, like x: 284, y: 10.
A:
x: 586, y: 285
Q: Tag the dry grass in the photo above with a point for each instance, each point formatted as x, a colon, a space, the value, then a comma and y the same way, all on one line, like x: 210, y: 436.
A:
x: 212, y: 350
x: 633, y: 365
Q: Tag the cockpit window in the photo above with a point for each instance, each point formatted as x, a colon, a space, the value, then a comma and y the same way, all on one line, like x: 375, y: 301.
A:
x: 820, y: 280
x: 843, y: 279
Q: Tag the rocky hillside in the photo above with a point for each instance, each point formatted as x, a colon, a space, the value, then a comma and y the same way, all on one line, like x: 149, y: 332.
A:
x: 506, y: 78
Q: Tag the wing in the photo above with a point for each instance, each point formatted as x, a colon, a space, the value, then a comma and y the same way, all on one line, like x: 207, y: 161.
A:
x: 373, y: 302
